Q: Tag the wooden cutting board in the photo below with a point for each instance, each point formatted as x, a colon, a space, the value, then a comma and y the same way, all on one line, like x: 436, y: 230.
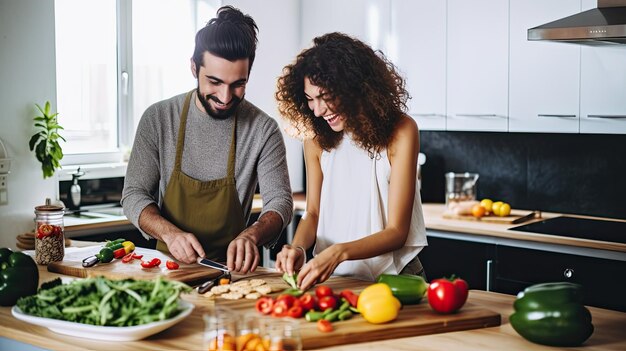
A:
x: 515, y: 214
x: 116, y: 269
x: 413, y: 320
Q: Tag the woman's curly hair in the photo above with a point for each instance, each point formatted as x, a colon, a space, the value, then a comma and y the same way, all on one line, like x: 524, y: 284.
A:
x: 361, y: 84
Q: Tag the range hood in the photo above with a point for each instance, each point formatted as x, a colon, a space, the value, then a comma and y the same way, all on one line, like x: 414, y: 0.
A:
x: 604, y: 25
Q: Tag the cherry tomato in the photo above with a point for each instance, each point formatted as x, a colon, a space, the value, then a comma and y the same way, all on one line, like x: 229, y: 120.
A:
x: 326, y: 302
x: 265, y: 305
x: 295, y: 312
x: 447, y: 296
x: 322, y: 291
x: 307, y: 301
x: 289, y: 299
x: 280, y: 309
x: 324, y: 326
x: 171, y: 265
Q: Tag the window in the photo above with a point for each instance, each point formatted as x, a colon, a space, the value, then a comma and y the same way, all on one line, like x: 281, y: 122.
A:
x: 113, y: 60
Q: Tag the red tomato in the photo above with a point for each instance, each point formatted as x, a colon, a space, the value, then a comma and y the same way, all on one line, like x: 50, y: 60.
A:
x: 326, y: 302
x: 280, y: 309
x: 307, y: 301
x: 289, y: 299
x: 171, y: 265
x: 322, y: 291
x: 265, y: 305
x: 324, y: 326
x: 295, y: 312
x: 350, y: 296
x: 447, y: 296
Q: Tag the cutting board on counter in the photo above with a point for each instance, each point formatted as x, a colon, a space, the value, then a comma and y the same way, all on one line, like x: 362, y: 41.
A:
x: 413, y: 320
x: 515, y: 214
x: 72, y: 265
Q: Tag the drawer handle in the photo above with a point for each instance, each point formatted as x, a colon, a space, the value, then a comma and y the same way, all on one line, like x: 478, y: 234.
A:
x: 568, y: 273
x: 557, y: 116
x: 606, y: 116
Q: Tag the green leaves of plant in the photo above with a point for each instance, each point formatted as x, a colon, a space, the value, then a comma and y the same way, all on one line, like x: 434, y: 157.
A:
x: 45, y: 141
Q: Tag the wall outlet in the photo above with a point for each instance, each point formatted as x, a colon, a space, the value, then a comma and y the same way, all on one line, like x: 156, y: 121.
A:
x: 3, y: 181
x: 5, y: 165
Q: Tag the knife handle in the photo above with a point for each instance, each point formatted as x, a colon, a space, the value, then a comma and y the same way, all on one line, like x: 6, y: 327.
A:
x: 90, y: 261
x: 206, y: 286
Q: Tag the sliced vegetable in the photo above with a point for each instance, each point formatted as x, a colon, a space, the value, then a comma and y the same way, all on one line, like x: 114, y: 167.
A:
x: 155, y: 262
x: 265, y: 305
x: 307, y: 301
x: 171, y: 265
x: 114, y: 242
x: 129, y: 246
x: 119, y: 253
x: 313, y: 316
x: 351, y: 297
x: 324, y: 326
x: 128, y: 258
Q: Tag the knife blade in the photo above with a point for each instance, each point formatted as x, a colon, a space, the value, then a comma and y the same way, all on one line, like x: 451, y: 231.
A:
x: 212, y: 264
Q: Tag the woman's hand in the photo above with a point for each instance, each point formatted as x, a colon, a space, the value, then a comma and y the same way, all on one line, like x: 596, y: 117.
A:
x: 320, y: 268
x: 289, y: 259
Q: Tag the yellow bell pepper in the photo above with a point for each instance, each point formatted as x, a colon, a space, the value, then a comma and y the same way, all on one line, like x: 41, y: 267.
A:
x: 377, y: 304
x: 128, y: 246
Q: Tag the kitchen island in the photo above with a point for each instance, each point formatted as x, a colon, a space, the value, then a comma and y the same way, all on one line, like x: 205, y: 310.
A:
x: 188, y: 334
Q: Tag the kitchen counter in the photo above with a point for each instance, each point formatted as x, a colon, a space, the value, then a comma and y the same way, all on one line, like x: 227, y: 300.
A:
x: 433, y: 217
x: 187, y: 335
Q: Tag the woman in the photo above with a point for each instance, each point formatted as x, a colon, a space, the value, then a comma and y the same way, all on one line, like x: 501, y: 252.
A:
x: 363, y: 211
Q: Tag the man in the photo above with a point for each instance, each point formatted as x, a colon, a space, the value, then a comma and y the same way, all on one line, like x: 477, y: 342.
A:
x: 198, y: 157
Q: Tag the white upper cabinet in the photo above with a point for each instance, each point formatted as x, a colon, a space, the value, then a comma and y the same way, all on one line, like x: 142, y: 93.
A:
x: 603, y: 87
x: 367, y: 20
x: 544, y: 76
x: 477, y: 61
x: 418, y: 49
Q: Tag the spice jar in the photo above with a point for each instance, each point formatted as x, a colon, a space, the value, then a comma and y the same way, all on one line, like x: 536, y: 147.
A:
x: 49, y: 233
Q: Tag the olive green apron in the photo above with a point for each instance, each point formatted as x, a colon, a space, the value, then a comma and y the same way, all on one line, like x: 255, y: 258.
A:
x: 211, y: 210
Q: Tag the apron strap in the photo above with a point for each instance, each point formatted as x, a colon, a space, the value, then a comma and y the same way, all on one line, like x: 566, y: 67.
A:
x: 181, y: 132
x: 233, y: 148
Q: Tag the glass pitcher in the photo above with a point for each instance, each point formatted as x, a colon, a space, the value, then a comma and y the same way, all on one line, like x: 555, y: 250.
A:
x: 460, y: 187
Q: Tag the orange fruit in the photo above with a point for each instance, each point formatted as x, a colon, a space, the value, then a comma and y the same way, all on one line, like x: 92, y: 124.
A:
x: 487, y: 203
x: 478, y: 211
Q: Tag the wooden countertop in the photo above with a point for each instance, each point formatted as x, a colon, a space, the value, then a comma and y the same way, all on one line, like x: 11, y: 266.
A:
x: 433, y: 217
x: 188, y: 334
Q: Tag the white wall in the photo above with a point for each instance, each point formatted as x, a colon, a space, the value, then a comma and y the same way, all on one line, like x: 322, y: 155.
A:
x: 27, y: 76
x: 278, y: 46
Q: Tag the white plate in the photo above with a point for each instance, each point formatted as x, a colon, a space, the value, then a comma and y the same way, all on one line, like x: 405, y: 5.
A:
x: 137, y: 332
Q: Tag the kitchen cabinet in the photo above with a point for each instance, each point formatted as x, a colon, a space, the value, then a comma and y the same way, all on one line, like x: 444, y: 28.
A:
x: 418, y: 29
x: 518, y: 268
x: 367, y: 20
x: 603, y: 87
x: 469, y: 260
x: 544, y: 76
x: 477, y: 63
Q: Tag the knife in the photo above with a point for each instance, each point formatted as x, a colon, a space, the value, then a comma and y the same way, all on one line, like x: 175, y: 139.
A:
x: 532, y: 215
x: 212, y: 264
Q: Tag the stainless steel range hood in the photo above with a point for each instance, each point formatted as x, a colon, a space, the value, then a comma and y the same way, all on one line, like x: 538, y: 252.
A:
x: 604, y: 25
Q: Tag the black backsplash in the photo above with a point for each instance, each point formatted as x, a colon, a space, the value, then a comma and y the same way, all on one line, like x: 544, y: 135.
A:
x: 564, y: 173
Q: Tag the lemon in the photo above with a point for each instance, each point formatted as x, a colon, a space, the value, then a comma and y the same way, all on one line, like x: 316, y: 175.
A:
x: 486, y: 203
x: 495, y: 207
x: 505, y: 210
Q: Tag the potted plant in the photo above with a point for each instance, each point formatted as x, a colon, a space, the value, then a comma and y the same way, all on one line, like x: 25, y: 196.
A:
x: 45, y: 142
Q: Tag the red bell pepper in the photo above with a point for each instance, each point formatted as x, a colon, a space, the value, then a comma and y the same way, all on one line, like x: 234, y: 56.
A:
x: 171, y: 265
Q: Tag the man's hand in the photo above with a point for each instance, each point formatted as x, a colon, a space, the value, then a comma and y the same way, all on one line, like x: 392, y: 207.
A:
x: 185, y: 247
x: 242, y: 255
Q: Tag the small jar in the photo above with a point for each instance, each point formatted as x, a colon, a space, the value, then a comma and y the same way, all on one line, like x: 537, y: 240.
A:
x: 49, y: 233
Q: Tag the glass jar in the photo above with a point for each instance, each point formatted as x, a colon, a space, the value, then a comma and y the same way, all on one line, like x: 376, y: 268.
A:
x: 281, y: 334
x: 49, y: 233
x: 220, y: 329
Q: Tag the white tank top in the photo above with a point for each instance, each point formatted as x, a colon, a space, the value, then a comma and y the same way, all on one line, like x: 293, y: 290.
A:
x: 354, y: 204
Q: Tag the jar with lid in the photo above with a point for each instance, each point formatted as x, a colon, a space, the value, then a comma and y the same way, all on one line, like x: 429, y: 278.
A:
x: 49, y: 233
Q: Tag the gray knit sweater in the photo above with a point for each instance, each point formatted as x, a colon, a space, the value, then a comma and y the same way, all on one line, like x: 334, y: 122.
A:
x: 260, y: 157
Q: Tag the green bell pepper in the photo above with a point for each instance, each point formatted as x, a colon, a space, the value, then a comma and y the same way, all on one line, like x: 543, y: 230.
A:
x: 19, y: 276
x: 409, y: 289
x: 552, y: 314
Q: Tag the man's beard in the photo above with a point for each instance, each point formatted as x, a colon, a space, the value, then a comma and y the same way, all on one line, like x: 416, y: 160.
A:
x: 219, y: 114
